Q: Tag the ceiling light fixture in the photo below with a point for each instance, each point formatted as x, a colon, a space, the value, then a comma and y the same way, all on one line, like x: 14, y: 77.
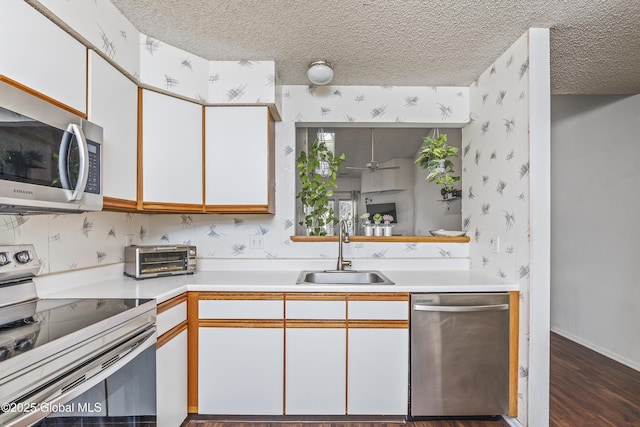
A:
x: 320, y: 72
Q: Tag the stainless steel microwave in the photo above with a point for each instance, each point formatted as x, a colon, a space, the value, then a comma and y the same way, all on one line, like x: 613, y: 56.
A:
x: 50, y: 159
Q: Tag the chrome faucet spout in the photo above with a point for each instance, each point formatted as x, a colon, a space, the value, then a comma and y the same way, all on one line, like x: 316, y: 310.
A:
x: 342, y: 231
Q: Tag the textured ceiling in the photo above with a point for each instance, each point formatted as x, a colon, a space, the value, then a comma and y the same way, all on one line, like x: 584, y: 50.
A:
x: 595, y: 44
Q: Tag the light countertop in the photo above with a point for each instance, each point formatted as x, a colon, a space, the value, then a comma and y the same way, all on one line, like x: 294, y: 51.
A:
x: 279, y: 281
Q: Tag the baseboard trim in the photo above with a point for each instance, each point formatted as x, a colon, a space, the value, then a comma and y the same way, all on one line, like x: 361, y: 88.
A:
x: 298, y: 419
x: 611, y: 355
x: 513, y: 422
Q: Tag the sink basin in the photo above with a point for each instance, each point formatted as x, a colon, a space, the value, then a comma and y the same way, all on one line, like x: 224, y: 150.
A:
x: 347, y: 277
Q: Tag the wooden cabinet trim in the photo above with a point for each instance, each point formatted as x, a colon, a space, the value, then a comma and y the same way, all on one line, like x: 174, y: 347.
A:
x: 271, y: 164
x: 315, y: 324
x: 204, y: 157
x: 240, y: 323
x: 378, y: 296
x: 170, y: 303
x: 192, y: 356
x: 42, y: 96
x: 119, y: 205
x: 378, y: 324
x: 239, y: 209
x: 315, y: 296
x: 171, y: 334
x: 389, y: 239
x: 243, y: 296
x: 514, y: 326
x: 172, y: 207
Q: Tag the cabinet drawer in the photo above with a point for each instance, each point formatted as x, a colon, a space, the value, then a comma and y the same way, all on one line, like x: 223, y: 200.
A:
x: 241, y: 309
x: 307, y: 310
x: 378, y: 310
x: 171, y: 317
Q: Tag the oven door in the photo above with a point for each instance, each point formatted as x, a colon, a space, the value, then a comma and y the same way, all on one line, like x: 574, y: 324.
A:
x: 113, y: 385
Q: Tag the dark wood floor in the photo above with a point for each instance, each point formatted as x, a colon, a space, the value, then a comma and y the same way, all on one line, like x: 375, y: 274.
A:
x: 441, y: 423
x: 587, y: 389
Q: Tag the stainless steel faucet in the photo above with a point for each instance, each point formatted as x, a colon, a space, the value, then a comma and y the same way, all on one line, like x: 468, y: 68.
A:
x: 342, y: 228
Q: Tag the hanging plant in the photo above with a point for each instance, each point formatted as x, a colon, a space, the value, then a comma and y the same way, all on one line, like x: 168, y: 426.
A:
x: 318, y: 172
x: 436, y: 157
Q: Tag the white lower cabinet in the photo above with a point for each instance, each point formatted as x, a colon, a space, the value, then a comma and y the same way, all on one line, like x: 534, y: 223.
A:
x: 240, y: 353
x: 316, y: 371
x: 171, y: 381
x: 378, y: 371
x: 303, y: 354
x: 240, y: 371
x: 378, y: 366
x: 172, y: 362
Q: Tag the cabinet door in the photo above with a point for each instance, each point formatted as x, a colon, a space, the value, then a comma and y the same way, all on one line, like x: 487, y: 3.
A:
x: 378, y: 371
x: 240, y: 371
x: 316, y: 371
x: 378, y: 337
x: 171, y: 153
x: 316, y: 354
x: 171, y: 381
x: 113, y: 104
x: 239, y: 161
x: 38, y: 54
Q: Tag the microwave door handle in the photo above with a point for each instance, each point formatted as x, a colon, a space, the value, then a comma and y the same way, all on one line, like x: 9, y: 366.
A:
x: 63, y: 162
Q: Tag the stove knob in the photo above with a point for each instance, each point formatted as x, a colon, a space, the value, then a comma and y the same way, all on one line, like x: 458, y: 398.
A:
x: 4, y: 258
x: 5, y: 353
x: 23, y: 257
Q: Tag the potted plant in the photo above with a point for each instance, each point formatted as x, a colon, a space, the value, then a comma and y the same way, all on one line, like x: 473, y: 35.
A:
x: 387, y: 224
x: 366, y: 224
x: 436, y: 157
x: 377, y: 229
x: 318, y: 172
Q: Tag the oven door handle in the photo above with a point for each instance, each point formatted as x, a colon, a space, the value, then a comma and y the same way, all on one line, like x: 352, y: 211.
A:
x: 81, y: 380
x: 83, y: 163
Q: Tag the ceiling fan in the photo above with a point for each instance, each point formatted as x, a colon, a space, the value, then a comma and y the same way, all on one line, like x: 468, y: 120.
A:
x: 373, y: 165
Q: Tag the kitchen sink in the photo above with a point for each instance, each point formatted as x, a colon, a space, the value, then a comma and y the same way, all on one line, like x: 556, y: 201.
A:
x: 344, y: 277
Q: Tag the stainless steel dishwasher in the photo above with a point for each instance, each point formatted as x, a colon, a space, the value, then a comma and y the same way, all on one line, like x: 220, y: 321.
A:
x: 459, y: 354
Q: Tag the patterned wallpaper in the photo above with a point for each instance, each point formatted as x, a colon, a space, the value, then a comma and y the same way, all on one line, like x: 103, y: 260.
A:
x: 157, y: 64
x: 73, y: 241
x: 437, y: 105
x: 495, y: 204
x: 223, y: 236
x: 102, y: 26
x: 215, y: 82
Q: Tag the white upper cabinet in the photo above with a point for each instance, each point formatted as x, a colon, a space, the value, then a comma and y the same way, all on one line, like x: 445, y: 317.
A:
x: 38, y: 54
x: 239, y: 160
x: 113, y: 104
x: 171, y: 153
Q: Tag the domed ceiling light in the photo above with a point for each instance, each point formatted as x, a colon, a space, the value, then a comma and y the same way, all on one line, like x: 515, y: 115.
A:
x: 320, y: 72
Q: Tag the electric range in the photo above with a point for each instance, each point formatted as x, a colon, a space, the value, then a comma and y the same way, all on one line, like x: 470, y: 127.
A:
x: 52, y: 350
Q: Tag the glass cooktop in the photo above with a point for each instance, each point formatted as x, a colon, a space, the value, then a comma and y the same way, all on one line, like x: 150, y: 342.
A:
x: 32, y: 324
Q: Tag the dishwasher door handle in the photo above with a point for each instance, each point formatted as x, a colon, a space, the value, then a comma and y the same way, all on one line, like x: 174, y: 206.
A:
x: 460, y: 308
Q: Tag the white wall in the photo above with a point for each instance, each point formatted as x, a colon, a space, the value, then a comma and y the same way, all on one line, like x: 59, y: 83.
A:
x: 75, y: 241
x: 505, y: 142
x: 595, y: 227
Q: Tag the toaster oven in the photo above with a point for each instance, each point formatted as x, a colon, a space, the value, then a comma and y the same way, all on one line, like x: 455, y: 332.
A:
x: 142, y: 262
